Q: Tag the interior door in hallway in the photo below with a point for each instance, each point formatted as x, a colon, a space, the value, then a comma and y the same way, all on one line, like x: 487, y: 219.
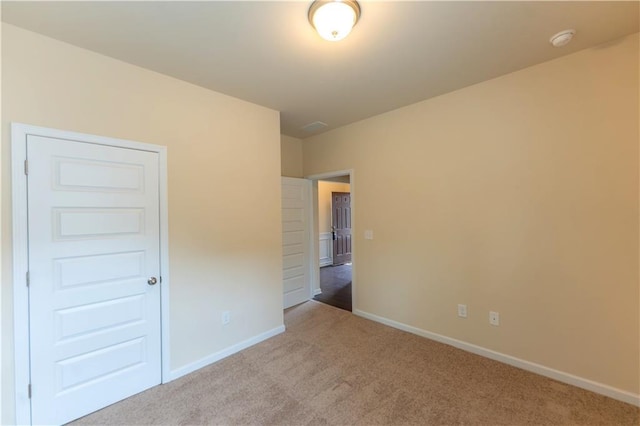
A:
x: 296, y: 231
x: 341, y: 227
x: 94, y: 264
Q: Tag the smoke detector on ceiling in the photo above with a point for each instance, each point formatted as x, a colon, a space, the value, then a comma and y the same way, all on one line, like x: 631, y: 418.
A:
x: 562, y: 38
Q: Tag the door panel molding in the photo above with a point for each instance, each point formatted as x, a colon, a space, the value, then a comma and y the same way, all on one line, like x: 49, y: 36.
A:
x: 19, y: 134
x: 341, y: 226
x: 326, y: 249
x: 297, y: 231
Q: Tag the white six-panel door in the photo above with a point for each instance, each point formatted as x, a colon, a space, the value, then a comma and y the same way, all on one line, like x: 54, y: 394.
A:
x: 296, y: 230
x: 94, y: 251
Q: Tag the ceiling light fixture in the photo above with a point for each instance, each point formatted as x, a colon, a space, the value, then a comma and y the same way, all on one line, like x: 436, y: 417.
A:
x: 562, y: 38
x: 334, y: 19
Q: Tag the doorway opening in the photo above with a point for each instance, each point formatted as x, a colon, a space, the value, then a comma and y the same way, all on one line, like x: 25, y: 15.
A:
x: 335, y: 258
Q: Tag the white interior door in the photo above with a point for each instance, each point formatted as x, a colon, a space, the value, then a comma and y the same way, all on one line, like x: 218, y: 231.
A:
x: 93, y: 223
x: 296, y: 230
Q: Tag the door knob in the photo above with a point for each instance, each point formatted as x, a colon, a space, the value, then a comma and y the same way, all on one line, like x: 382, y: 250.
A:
x: 152, y: 281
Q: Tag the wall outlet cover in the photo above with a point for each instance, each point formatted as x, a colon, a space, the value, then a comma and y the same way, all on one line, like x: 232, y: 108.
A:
x: 494, y: 318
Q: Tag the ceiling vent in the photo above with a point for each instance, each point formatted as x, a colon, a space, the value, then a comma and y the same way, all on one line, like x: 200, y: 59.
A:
x: 315, y: 126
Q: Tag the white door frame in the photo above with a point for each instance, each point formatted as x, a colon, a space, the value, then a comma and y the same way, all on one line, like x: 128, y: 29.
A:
x: 315, y: 241
x: 19, y: 133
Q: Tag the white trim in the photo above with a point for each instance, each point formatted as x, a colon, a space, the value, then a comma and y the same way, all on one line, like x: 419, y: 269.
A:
x: 317, y: 291
x: 313, y: 283
x: 314, y: 278
x: 164, y: 264
x: 560, y: 376
x: 20, y: 267
x: 19, y: 134
x: 314, y: 243
x: 322, y: 176
x: 326, y: 256
x: 217, y: 356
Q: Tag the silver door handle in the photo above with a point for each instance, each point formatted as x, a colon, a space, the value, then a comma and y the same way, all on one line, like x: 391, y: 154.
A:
x: 152, y: 281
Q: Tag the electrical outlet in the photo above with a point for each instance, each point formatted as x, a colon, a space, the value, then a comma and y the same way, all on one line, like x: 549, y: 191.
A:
x: 494, y: 318
x: 368, y: 234
x: 226, y: 317
x: 462, y: 311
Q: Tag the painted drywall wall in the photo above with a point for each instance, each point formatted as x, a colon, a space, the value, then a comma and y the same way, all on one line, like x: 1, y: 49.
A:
x: 324, y: 202
x: 291, y: 156
x: 1, y: 239
x: 518, y: 195
x: 224, y: 253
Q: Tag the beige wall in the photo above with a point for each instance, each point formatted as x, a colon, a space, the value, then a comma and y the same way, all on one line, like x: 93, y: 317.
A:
x: 2, y: 345
x: 518, y: 195
x: 225, y: 240
x: 324, y: 202
x: 291, y: 156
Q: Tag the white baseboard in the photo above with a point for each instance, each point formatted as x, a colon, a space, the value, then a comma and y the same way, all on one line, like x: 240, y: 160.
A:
x: 217, y: 356
x: 317, y: 291
x: 560, y: 376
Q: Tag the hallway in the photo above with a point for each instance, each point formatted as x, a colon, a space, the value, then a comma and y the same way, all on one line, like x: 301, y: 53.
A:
x: 335, y: 283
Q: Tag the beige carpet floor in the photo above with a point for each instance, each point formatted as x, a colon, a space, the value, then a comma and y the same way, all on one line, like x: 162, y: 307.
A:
x: 333, y: 368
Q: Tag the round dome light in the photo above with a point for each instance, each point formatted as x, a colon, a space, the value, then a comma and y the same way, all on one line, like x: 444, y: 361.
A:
x: 333, y: 20
x: 562, y: 38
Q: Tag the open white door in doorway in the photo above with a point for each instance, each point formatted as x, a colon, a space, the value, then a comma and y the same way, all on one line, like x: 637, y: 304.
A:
x: 296, y: 234
x: 94, y: 283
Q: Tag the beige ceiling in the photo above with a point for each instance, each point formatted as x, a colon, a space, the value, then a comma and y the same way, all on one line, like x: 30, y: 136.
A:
x: 266, y: 52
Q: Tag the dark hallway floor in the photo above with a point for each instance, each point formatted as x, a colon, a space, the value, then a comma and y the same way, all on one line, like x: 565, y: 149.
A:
x: 335, y: 283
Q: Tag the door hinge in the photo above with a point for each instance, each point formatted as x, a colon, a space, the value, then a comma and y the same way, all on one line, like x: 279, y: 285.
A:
x: 28, y: 279
x: 29, y: 390
x: 161, y: 279
x: 26, y: 167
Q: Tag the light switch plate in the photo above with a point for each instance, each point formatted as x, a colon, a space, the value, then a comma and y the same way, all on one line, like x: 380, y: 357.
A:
x: 368, y: 234
x: 462, y: 311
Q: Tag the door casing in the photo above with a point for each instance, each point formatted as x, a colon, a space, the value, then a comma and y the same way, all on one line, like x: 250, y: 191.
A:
x: 19, y: 134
